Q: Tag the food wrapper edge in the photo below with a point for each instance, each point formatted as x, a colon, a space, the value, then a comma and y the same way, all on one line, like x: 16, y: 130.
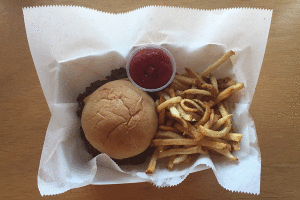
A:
x: 74, y: 46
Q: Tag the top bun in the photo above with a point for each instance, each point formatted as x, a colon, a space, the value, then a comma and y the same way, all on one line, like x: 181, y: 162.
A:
x: 119, y: 119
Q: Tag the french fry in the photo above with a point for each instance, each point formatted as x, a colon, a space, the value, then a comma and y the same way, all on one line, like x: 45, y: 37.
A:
x: 180, y: 85
x: 227, y: 92
x: 220, y: 122
x: 217, y: 64
x: 210, y: 88
x: 222, y: 109
x: 167, y: 103
x: 176, y: 87
x: 178, y: 92
x: 197, y: 92
x: 223, y: 80
x: 211, y: 143
x: 233, y: 136
x: 228, y: 146
x: 227, y: 84
x: 197, y: 135
x: 187, y: 80
x: 205, y: 117
x: 180, y: 158
x: 226, y: 106
x: 152, y: 163
x: 168, y: 128
x: 161, y: 115
x: 211, y: 118
x: 157, y: 102
x: 226, y: 153
x: 179, y: 126
x: 183, y: 141
x: 196, y: 108
x: 235, y: 145
x: 194, y: 75
x: 206, y: 125
x: 200, y: 103
x: 212, y: 133
x: 187, y: 116
x: 171, y: 163
x: 171, y: 152
x: 171, y: 92
x: 168, y: 134
x: 213, y: 81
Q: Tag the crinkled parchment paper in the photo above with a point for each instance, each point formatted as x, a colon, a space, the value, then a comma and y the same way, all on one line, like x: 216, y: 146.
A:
x: 74, y: 46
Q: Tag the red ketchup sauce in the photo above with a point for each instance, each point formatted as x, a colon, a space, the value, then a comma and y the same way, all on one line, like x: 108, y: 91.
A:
x: 151, y: 68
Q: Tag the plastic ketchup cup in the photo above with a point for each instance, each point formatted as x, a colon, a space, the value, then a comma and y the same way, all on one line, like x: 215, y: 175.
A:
x: 151, y: 67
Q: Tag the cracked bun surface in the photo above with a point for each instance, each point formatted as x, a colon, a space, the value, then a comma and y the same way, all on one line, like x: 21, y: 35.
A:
x: 119, y: 119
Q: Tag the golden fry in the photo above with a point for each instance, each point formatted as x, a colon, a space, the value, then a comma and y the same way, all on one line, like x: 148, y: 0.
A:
x: 196, y: 92
x: 180, y: 158
x: 212, y: 144
x: 161, y: 115
x: 223, y: 80
x: 167, y: 103
x: 178, y: 92
x: 170, y: 164
x: 205, y: 117
x: 200, y: 103
x: 176, y: 87
x: 171, y: 152
x: 185, y: 141
x: 210, y: 88
x: 171, y: 92
x: 226, y: 153
x: 227, y: 84
x: 226, y: 106
x: 179, y: 126
x: 228, y: 146
x: 211, y: 118
x: 152, y: 163
x: 157, y: 102
x: 233, y: 136
x: 196, y: 108
x: 187, y: 81
x: 197, y: 135
x: 222, y: 109
x: 212, y: 133
x: 227, y: 92
x: 180, y: 85
x: 194, y: 75
x: 217, y: 64
x: 168, y: 134
x: 187, y: 116
x: 169, y: 128
x: 235, y: 145
x: 213, y: 81
x: 220, y: 122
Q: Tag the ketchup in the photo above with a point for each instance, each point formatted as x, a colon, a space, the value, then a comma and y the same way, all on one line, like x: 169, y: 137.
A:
x: 151, y: 68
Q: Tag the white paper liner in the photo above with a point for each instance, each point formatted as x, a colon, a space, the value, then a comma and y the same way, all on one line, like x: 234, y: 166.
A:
x: 74, y: 46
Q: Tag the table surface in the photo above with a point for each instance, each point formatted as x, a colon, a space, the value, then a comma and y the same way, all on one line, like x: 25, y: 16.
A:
x: 275, y: 108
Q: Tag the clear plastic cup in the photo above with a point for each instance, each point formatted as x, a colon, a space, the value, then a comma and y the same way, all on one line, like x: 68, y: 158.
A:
x: 151, y: 67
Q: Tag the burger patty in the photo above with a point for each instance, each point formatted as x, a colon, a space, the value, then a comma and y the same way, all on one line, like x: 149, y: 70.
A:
x: 116, y: 74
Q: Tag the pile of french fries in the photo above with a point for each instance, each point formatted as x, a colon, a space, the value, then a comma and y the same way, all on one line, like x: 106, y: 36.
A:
x: 194, y: 117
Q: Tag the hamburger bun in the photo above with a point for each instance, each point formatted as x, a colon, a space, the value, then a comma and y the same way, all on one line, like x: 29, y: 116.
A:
x: 119, y: 119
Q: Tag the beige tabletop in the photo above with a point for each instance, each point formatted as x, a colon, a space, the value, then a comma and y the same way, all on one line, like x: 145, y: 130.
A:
x: 24, y: 115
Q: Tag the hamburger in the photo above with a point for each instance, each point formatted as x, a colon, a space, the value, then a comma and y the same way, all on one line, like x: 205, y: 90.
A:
x: 118, y: 119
